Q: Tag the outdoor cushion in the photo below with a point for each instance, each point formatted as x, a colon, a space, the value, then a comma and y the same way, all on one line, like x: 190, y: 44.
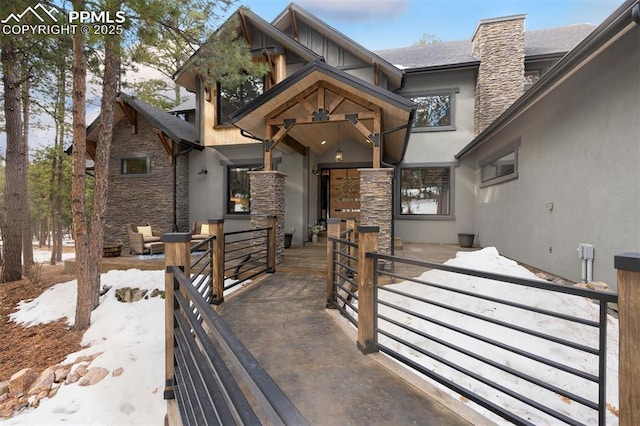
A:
x: 204, y: 229
x: 152, y: 239
x: 145, y: 231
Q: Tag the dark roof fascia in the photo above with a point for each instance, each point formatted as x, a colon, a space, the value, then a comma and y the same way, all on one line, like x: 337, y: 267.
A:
x: 336, y: 73
x: 444, y: 67
x: 627, y: 13
x: 264, y: 26
x: 167, y: 129
x: 545, y: 57
x: 339, y: 38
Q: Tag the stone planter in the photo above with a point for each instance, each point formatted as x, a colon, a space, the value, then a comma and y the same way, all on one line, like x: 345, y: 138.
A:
x: 314, y: 238
x: 466, y: 240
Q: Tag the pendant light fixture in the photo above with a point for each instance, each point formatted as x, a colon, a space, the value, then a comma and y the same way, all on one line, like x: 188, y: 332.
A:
x: 339, y: 151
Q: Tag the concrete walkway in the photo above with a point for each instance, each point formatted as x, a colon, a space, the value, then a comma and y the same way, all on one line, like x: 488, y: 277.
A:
x: 283, y: 321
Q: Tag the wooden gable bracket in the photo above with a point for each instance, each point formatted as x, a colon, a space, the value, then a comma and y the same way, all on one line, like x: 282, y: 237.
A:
x: 168, y: 145
x: 376, y: 73
x: 272, y: 66
x: 294, y: 23
x: 131, y: 114
x: 91, y: 149
x: 245, y: 27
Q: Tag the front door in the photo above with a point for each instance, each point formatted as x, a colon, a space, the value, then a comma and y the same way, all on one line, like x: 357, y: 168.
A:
x: 342, y: 189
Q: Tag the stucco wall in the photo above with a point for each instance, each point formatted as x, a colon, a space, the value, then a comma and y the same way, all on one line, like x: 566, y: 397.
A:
x: 580, y: 151
x: 209, y: 204
x: 139, y: 199
x: 440, y: 147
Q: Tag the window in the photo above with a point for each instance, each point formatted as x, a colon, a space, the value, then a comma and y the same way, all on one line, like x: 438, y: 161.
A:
x: 238, y: 189
x: 435, y: 110
x: 530, y: 77
x: 230, y: 99
x: 500, y: 168
x: 134, y: 166
x: 425, y: 191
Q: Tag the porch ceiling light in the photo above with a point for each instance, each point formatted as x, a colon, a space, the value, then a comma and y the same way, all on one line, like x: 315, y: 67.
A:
x: 338, y: 151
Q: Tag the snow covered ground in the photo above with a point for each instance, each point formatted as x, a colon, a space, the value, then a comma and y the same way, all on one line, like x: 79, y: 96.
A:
x: 130, y: 336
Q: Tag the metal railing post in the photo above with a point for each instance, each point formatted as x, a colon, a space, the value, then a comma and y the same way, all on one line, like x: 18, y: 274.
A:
x: 177, y: 252
x: 367, y: 243
x: 628, y: 266
x: 333, y: 231
x: 216, y: 228
x: 272, y: 224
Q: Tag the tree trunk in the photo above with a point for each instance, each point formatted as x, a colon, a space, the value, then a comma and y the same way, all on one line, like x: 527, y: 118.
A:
x: 27, y: 234
x: 14, y: 164
x: 78, y: 180
x: 103, y: 152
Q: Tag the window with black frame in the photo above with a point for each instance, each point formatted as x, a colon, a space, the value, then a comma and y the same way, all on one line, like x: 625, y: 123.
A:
x: 238, y: 189
x: 134, y: 166
x: 232, y: 98
x: 425, y: 191
x: 435, y: 110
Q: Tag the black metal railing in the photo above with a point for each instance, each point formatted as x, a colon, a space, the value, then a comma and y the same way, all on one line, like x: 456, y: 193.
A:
x: 345, y: 267
x: 477, y: 355
x: 204, y: 386
x: 202, y: 267
x: 246, y: 255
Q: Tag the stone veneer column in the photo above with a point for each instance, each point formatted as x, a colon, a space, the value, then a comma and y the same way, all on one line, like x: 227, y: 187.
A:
x: 376, y: 204
x: 499, y: 45
x: 267, y: 198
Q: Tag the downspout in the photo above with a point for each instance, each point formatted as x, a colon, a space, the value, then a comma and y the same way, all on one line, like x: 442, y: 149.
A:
x: 248, y: 135
x: 174, y: 227
x: 393, y: 183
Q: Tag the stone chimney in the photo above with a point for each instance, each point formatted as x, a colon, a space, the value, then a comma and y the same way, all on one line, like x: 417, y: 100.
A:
x: 499, y: 45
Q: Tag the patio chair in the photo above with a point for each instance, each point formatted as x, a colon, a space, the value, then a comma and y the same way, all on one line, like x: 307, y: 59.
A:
x: 143, y: 240
x: 200, y: 230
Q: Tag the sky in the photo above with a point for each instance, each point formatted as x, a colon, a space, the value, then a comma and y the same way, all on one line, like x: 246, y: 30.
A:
x: 385, y: 24
x: 130, y: 336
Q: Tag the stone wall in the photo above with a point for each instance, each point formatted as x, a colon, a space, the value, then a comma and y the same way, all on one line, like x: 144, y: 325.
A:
x: 499, y: 45
x: 144, y: 198
x: 267, y: 199
x: 375, y: 204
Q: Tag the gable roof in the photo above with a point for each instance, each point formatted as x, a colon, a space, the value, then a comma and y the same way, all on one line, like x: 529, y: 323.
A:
x: 178, y: 130
x: 398, y: 111
x: 622, y: 20
x: 457, y: 54
x: 294, y: 13
x: 247, y: 18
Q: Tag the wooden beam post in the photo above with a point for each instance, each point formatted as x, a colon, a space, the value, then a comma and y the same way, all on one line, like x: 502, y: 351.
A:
x: 351, y: 224
x: 628, y: 266
x: 333, y: 231
x: 177, y: 252
x: 216, y: 228
x: 272, y: 224
x: 367, y: 243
